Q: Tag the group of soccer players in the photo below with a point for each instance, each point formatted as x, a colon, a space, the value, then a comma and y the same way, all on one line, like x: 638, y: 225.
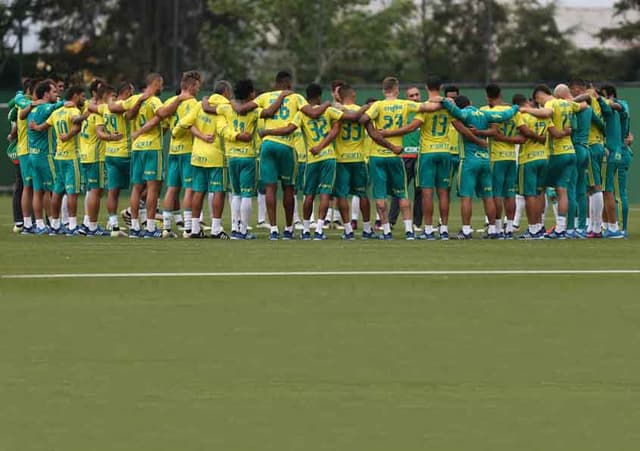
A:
x: 574, y: 140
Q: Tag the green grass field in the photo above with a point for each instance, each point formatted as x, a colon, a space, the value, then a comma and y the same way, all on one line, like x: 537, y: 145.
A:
x: 362, y: 362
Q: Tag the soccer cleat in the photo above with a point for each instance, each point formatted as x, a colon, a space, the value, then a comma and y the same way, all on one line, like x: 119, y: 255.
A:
x: 235, y: 235
x: 117, y: 233
x: 17, y: 228
x: 409, y: 236
x: 609, y: 234
x: 42, y: 230
x: 385, y: 237
x: 354, y: 224
x: 463, y: 236
x: 168, y: 234
x: 135, y: 233
x: 427, y: 236
x: 555, y: 235
x: 444, y: 236
x: 27, y: 231
x: 571, y: 235
x: 83, y: 229
x: 274, y: 236
x: 508, y: 235
x: 198, y: 235
x: 98, y: 232
x: 305, y: 236
x: 319, y: 236
x: 126, y: 216
x: 54, y: 232
x: 298, y: 225
x: 151, y: 235
x: 492, y: 236
x: 245, y: 236
x: 581, y: 234
x: 527, y: 235
x: 368, y: 235
x: 625, y: 233
x: 592, y: 235
x: 287, y: 235
x: 348, y: 236
x: 263, y: 225
x: 72, y: 232
x: 220, y: 236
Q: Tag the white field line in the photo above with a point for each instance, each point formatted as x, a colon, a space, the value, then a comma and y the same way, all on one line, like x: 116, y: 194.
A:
x: 471, y: 272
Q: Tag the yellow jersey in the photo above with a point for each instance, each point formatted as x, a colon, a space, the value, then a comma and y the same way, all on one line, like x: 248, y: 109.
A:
x: 245, y: 123
x: 315, y: 130
x: 61, y: 121
x: 151, y: 140
x: 596, y: 135
x: 532, y: 150
x: 434, y: 131
x: 454, y: 140
x: 116, y: 123
x: 562, y: 117
x: 92, y: 148
x: 23, y: 142
x: 182, y: 145
x: 300, y: 146
x: 502, y: 151
x: 203, y: 154
x: 390, y: 115
x: 349, y: 145
x: 284, y: 115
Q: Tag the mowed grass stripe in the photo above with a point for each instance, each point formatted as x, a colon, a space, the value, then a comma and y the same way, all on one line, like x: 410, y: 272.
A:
x: 488, y: 272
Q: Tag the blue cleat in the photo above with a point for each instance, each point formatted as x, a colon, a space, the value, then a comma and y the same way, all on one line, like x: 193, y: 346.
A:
x: 101, y: 232
x: 274, y: 236
x: 427, y: 236
x: 27, y: 231
x: 555, y: 235
x: 612, y: 235
x: 581, y: 234
x: 305, y: 236
x: 508, y: 235
x: 348, y: 236
x: 319, y: 236
x: 244, y: 236
x: 287, y: 235
x: 151, y: 235
x: 133, y: 233
x: 444, y: 236
x: 463, y: 236
x: 385, y: 237
x: 72, y: 232
x: 236, y: 235
x: 571, y: 235
x: 42, y: 230
x: 492, y: 236
x: 369, y: 235
x: 527, y: 235
x: 54, y: 232
x: 409, y: 236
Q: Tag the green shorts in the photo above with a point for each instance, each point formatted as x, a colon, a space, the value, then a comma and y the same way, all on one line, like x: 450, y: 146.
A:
x: 612, y: 166
x: 351, y: 179
x: 562, y: 171
x: 26, y: 170
x: 94, y: 174
x: 594, y: 166
x: 211, y: 180
x: 67, y: 177
x: 179, y: 172
x: 388, y: 177
x: 146, y: 166
x: 118, y: 172
x: 504, y: 178
x: 319, y: 177
x: 277, y: 162
x: 302, y: 167
x: 532, y: 177
x: 43, y: 172
x: 242, y: 176
x: 434, y: 170
x: 474, y: 177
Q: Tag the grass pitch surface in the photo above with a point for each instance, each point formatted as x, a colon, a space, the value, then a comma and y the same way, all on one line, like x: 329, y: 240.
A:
x: 360, y: 362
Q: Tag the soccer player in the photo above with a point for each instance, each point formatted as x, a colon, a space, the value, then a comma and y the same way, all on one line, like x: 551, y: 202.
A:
x: 277, y: 154
x: 240, y: 148
x: 351, y: 169
x: 503, y: 160
x: 41, y: 147
x: 22, y: 102
x: 67, y: 168
x: 532, y: 167
x: 386, y: 168
x: 179, y: 161
x: 562, y: 168
x: 411, y: 149
x: 451, y: 92
x: 320, y: 170
x: 614, y: 143
x: 475, y: 169
x: 622, y: 199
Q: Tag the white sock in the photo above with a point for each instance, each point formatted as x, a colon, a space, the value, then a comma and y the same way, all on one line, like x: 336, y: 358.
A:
x: 55, y: 223
x: 262, y: 208
x: 166, y: 219
x: 135, y: 224
x: 386, y: 228
x: 598, y: 207
x: 85, y: 221
x: 27, y: 222
x: 64, y: 210
x: 177, y: 217
x: 235, y: 212
x: 347, y: 228
x: 613, y: 227
x: 408, y: 225
x: 274, y: 228
x: 73, y: 222
x: 492, y: 229
x: 216, y: 226
x: 93, y: 226
x: 40, y: 223
x: 366, y: 227
x: 113, y: 221
x: 320, y: 225
x: 296, y: 217
x: 355, y: 208
x: 329, y: 214
x: 195, y: 227
x: 509, y: 226
x: 444, y: 229
x: 498, y: 224
x: 246, y: 205
x: 151, y: 225
x: 561, y: 224
x: 188, y: 218
x: 428, y: 229
x: 306, y: 225
x: 142, y: 215
x: 466, y: 229
x: 520, y: 207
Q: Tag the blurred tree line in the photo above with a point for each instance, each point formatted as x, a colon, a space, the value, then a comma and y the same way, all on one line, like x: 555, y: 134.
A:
x: 358, y: 40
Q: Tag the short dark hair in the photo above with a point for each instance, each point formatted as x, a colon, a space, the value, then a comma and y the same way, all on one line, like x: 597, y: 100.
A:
x: 27, y: 84
x: 124, y: 86
x: 578, y: 82
x: 451, y: 88
x: 336, y: 84
x: 43, y: 87
x: 433, y: 83
x: 72, y: 91
x: 390, y: 83
x: 493, y: 91
x: 541, y: 88
x: 609, y: 89
x: 105, y: 89
x: 314, y: 91
x: 243, y: 89
x: 519, y: 99
x: 221, y: 86
x: 284, y: 77
x: 346, y: 91
x: 462, y: 101
x: 95, y: 85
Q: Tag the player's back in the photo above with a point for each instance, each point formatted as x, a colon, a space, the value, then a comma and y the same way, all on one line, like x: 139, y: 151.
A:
x: 500, y: 150
x: 390, y: 114
x: 62, y: 122
x: 532, y: 149
x: 40, y: 142
x: 349, y: 144
x: 434, y: 131
x: 284, y: 114
x: 562, y: 117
